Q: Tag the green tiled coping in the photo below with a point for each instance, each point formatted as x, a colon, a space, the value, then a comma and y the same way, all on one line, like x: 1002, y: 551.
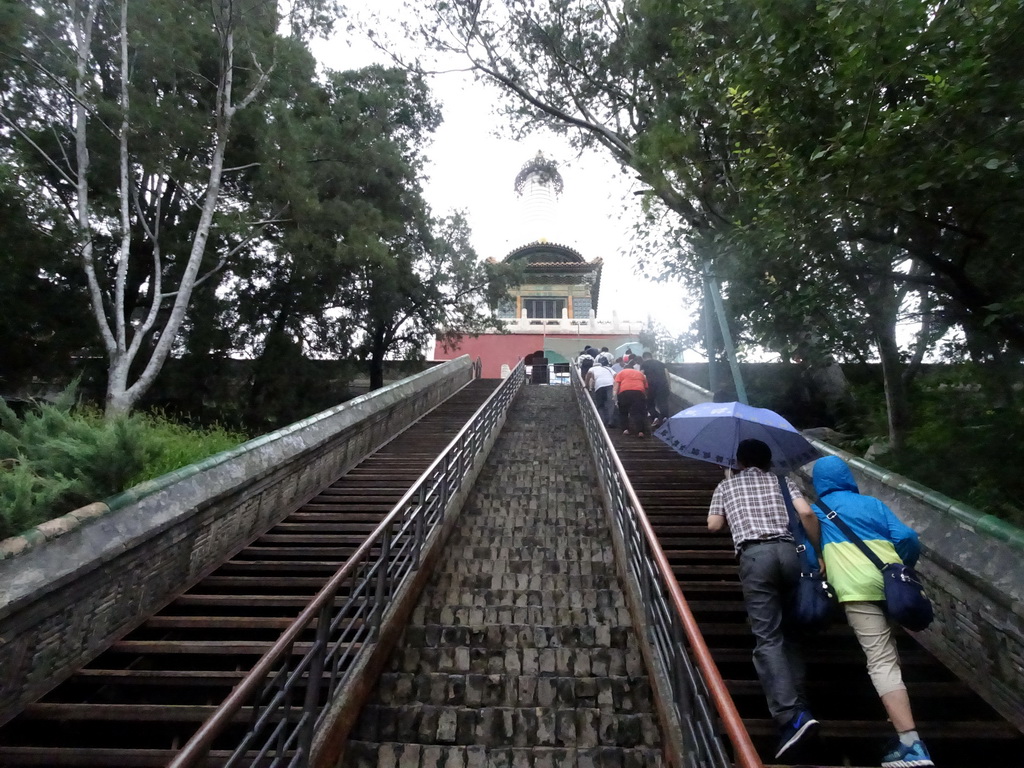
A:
x: 51, y: 529
x: 974, y: 518
x: 977, y: 520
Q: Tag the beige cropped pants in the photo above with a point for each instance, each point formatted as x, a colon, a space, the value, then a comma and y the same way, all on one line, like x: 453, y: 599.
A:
x: 871, y: 626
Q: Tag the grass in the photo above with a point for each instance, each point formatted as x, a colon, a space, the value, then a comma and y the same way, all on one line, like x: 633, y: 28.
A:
x: 58, y: 456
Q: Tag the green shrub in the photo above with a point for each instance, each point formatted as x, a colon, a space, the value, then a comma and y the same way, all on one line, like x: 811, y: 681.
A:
x: 959, y: 444
x: 171, y: 445
x: 59, y: 456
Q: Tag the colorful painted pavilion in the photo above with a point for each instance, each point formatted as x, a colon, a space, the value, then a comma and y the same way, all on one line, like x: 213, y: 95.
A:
x: 554, y: 310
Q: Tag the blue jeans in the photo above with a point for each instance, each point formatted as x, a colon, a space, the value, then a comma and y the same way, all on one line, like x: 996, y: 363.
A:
x: 603, y: 403
x: 767, y: 573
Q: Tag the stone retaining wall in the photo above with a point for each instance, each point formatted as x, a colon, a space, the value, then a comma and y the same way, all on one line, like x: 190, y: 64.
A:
x: 687, y: 391
x: 64, y: 601
x: 971, y: 568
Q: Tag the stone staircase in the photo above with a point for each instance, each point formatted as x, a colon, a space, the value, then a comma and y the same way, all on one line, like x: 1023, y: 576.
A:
x: 520, y: 652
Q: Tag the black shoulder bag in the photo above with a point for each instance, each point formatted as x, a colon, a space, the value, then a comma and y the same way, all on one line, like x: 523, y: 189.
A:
x: 813, y: 603
x: 905, y: 600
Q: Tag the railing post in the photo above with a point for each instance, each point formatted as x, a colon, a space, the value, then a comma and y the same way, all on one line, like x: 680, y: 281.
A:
x: 645, y: 582
x: 421, y: 514
x: 311, y: 703
x: 381, y: 592
x: 446, y: 481
x: 684, y: 696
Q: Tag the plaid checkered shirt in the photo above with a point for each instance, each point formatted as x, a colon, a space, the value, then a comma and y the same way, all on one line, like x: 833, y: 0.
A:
x: 752, y: 504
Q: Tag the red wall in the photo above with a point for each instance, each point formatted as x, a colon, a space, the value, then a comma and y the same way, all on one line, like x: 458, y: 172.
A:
x: 495, y: 349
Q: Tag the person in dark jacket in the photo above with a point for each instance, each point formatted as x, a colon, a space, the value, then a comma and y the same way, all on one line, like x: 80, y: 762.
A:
x: 858, y: 585
x: 751, y: 503
x: 657, y: 389
x: 584, y: 361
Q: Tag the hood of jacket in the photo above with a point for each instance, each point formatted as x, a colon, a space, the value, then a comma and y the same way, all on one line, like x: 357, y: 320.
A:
x: 832, y: 474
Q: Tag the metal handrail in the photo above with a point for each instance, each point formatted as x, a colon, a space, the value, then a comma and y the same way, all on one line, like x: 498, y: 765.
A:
x: 286, y: 689
x: 698, y: 692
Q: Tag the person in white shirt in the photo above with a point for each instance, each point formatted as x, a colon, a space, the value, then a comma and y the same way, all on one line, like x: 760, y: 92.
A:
x: 600, y: 380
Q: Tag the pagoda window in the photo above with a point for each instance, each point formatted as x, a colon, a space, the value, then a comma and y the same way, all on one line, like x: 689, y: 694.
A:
x: 544, y: 308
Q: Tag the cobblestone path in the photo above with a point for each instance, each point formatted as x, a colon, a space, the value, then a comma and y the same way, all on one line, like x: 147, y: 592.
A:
x: 521, y: 652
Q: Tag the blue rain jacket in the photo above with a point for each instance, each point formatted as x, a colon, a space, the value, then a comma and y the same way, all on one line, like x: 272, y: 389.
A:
x: 850, y: 572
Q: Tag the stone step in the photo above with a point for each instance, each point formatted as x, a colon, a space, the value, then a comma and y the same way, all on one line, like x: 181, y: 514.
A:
x: 520, y: 529
x: 510, y: 512
x: 507, y: 614
x: 515, y: 598
x: 507, y: 548
x: 498, y: 488
x: 607, y: 692
x: 585, y: 568
x: 585, y: 662
x: 523, y: 582
x: 363, y: 754
x: 518, y: 636
x: 507, y: 726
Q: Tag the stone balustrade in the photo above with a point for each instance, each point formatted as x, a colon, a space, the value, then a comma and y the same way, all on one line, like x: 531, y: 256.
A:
x: 971, y: 568
x: 64, y: 600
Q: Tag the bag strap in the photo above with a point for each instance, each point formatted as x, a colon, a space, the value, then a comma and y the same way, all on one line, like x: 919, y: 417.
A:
x: 847, y: 531
x: 795, y: 526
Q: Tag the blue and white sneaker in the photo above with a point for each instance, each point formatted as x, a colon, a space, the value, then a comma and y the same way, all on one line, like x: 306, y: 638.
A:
x: 902, y: 756
x: 801, y: 724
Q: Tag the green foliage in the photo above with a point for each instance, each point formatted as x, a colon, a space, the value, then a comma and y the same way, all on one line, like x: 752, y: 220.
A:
x: 170, y: 445
x: 840, y: 165
x: 138, y: 135
x: 359, y: 268
x: 45, y: 323
x: 57, y: 457
x: 960, y: 445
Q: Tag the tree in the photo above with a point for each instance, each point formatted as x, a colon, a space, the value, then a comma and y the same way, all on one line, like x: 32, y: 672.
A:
x: 761, y: 123
x: 434, y: 284
x: 359, y: 267
x: 124, y: 112
x: 44, y: 323
x: 870, y: 150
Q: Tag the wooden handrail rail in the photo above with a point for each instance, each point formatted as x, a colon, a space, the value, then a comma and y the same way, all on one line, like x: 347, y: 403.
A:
x: 195, y: 750
x: 745, y: 754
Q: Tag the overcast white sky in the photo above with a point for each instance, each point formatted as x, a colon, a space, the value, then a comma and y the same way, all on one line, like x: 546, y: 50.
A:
x: 472, y: 170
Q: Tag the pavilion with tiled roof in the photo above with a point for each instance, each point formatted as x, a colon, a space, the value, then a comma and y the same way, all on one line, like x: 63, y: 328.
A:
x: 558, y: 282
x: 554, y: 310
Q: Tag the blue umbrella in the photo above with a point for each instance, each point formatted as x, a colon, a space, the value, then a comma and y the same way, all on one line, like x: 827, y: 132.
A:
x: 711, y: 431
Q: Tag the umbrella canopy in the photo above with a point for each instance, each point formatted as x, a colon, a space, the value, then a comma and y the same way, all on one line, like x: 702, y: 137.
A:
x: 633, y: 346
x: 711, y: 431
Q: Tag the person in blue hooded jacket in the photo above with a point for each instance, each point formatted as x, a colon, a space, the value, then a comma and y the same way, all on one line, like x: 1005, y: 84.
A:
x: 858, y: 585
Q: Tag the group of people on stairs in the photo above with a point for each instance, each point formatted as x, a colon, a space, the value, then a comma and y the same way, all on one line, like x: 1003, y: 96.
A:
x: 630, y: 392
x: 752, y: 504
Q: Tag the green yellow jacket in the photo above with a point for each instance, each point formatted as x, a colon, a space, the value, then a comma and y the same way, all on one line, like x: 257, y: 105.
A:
x: 850, y: 572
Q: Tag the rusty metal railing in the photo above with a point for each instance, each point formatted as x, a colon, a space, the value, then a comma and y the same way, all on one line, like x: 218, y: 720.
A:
x: 290, y: 688
x: 702, y: 702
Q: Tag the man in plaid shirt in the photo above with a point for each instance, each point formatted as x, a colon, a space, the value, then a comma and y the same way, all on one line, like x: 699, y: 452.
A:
x: 752, y: 504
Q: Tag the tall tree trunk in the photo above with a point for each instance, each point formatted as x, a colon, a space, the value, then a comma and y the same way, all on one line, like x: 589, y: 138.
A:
x: 896, y: 404
x: 882, y: 300
x: 121, y: 393
x: 376, y: 369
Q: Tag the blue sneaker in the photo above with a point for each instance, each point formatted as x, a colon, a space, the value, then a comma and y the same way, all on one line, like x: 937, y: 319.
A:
x: 801, y: 724
x: 902, y: 756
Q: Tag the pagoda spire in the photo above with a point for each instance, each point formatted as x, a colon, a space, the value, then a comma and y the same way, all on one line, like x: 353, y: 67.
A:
x: 539, y: 186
